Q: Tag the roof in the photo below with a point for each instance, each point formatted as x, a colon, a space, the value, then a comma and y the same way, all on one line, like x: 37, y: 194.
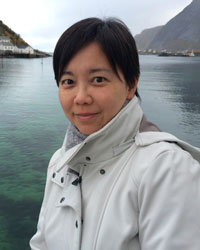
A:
x: 4, y: 38
x: 22, y: 46
x: 6, y: 43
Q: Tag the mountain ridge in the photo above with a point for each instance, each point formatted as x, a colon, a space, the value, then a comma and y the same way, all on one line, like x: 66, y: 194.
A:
x: 182, y: 32
x: 144, y: 39
x: 14, y: 37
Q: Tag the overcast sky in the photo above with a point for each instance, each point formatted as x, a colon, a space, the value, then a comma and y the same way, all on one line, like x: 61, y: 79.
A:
x: 41, y: 22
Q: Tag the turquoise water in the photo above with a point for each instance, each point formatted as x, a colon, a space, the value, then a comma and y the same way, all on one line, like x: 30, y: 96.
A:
x: 32, y: 127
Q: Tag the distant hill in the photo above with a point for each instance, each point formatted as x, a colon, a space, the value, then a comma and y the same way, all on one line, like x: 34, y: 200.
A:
x: 18, y: 41
x: 144, y: 39
x: 180, y: 33
x: 15, y: 38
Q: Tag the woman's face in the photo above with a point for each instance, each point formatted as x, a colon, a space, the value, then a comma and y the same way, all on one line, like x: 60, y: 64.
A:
x: 90, y: 92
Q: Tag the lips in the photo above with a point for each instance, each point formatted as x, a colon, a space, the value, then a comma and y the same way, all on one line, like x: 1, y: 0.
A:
x: 86, y: 116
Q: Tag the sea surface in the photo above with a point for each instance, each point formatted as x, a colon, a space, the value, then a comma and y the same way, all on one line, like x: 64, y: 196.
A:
x: 32, y: 127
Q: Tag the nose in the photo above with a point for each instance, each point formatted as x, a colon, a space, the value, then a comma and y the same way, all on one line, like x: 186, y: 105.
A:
x: 82, y: 96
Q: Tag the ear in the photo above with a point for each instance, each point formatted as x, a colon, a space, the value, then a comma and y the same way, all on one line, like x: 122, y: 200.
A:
x: 131, y: 91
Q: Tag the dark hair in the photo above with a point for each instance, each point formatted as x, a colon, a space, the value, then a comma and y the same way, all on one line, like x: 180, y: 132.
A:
x: 114, y: 38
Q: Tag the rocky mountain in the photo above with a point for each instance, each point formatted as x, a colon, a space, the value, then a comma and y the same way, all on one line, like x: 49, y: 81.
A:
x: 144, y: 39
x: 180, y: 33
x: 15, y: 38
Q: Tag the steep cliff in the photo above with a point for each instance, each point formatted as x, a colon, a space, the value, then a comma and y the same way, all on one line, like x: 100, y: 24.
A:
x: 144, y: 39
x: 181, y: 32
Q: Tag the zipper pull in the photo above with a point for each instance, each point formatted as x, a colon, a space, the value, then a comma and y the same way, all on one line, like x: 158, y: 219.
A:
x: 77, y: 181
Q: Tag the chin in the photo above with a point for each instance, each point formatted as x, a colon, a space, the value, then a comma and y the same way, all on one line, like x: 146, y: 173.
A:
x: 87, y: 131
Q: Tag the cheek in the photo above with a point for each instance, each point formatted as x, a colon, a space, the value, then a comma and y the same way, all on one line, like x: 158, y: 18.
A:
x: 116, y: 99
x: 116, y: 103
x: 104, y: 99
x: 111, y: 105
x: 61, y: 98
x: 64, y: 101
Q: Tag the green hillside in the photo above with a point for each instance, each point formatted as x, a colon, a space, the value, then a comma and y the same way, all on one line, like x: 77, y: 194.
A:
x: 15, y: 38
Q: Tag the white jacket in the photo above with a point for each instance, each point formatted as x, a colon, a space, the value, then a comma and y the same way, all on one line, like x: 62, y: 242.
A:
x: 122, y: 189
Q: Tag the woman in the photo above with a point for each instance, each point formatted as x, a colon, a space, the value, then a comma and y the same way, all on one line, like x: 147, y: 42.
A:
x: 117, y: 183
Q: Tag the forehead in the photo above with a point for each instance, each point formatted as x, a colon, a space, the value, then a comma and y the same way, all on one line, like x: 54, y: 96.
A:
x: 91, y: 57
x: 91, y: 53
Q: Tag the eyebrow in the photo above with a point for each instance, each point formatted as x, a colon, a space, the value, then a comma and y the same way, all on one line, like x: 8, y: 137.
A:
x: 91, y: 71
x: 99, y: 70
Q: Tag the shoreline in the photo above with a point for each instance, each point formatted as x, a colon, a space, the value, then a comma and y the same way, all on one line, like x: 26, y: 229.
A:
x: 28, y: 56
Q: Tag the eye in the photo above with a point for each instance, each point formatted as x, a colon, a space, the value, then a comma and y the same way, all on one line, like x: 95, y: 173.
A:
x: 99, y: 79
x: 67, y: 82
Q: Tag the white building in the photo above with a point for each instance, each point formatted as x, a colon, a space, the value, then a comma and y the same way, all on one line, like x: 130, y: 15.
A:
x: 23, y: 49
x: 7, y: 46
x: 5, y: 39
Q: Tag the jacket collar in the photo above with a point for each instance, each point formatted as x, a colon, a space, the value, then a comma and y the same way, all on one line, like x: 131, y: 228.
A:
x: 103, y: 144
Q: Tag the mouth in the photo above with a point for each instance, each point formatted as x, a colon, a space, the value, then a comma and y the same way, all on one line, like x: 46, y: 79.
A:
x: 86, y: 116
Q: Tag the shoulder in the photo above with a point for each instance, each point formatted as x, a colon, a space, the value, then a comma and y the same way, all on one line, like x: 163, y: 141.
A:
x: 157, y: 153
x: 168, y: 191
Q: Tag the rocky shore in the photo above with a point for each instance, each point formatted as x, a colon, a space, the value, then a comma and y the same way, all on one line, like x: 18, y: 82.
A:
x: 23, y: 55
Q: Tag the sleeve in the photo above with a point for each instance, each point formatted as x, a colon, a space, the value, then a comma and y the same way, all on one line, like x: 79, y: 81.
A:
x: 169, y: 203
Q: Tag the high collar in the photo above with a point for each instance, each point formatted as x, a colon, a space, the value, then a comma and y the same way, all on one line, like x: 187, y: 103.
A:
x: 103, y: 144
